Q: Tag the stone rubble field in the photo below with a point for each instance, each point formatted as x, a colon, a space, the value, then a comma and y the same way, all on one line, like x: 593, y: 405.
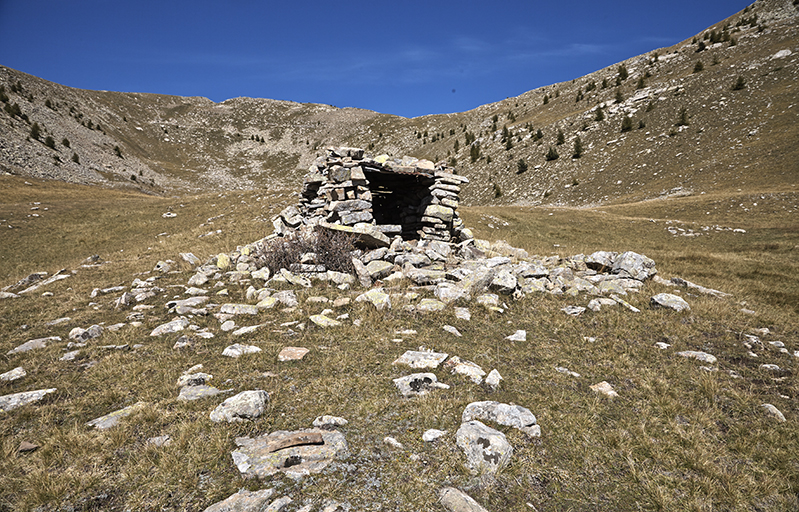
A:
x: 413, y: 277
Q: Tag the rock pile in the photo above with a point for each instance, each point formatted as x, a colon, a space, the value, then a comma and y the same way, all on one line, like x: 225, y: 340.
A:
x: 414, y: 198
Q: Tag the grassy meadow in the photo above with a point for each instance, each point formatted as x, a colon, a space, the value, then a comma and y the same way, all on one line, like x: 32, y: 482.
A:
x: 677, y: 437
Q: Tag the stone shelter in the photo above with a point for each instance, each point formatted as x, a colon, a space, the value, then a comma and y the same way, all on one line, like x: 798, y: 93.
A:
x: 414, y: 198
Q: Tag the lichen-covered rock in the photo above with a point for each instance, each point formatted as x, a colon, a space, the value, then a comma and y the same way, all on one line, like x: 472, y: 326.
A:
x: 487, y: 450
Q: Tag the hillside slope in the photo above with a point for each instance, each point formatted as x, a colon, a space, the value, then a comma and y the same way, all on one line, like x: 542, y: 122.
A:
x: 691, y: 130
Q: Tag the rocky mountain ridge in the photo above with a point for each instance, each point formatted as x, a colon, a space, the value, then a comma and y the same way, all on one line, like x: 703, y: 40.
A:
x: 713, y: 112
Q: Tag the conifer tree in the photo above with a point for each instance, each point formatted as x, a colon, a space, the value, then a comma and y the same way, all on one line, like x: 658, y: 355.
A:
x: 578, y: 148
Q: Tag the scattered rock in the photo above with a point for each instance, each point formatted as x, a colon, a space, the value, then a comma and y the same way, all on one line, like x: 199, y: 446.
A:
x: 430, y: 306
x: 292, y: 354
x: 432, y: 434
x: 247, y: 405
x: 80, y: 334
x: 377, y: 297
x: 774, y: 412
x: 508, y: 415
x: 390, y: 441
x: 493, y: 379
x: 573, y: 310
x: 323, y: 321
x: 26, y: 447
x: 457, y: 501
x: 520, y: 335
x: 463, y: 314
x: 596, y: 304
x: 159, y: 441
x: 566, y: 371
x: 604, y: 388
x: 452, y: 330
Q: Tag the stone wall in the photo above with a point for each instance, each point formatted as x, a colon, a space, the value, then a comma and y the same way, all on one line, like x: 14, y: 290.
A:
x: 414, y: 198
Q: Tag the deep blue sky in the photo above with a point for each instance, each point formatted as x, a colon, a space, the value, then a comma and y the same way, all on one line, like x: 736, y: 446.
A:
x: 405, y: 57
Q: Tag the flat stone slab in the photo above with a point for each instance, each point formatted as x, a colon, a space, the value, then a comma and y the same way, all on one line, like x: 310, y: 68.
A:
x: 257, y: 457
x: 369, y: 237
x: 243, y: 501
x: 15, y: 400
x: 670, y: 301
x: 175, y: 325
x: 420, y: 360
x: 112, y: 419
x: 292, y: 353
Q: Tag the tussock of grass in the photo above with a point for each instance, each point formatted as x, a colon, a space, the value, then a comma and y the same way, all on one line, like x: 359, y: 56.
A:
x: 676, y: 438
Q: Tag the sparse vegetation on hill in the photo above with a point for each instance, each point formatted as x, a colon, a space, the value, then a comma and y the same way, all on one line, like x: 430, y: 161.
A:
x: 178, y: 143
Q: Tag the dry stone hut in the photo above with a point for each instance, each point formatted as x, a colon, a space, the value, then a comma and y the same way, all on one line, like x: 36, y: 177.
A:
x: 349, y: 191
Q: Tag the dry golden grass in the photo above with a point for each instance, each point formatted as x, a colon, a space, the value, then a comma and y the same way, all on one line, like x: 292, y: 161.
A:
x: 677, y: 437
